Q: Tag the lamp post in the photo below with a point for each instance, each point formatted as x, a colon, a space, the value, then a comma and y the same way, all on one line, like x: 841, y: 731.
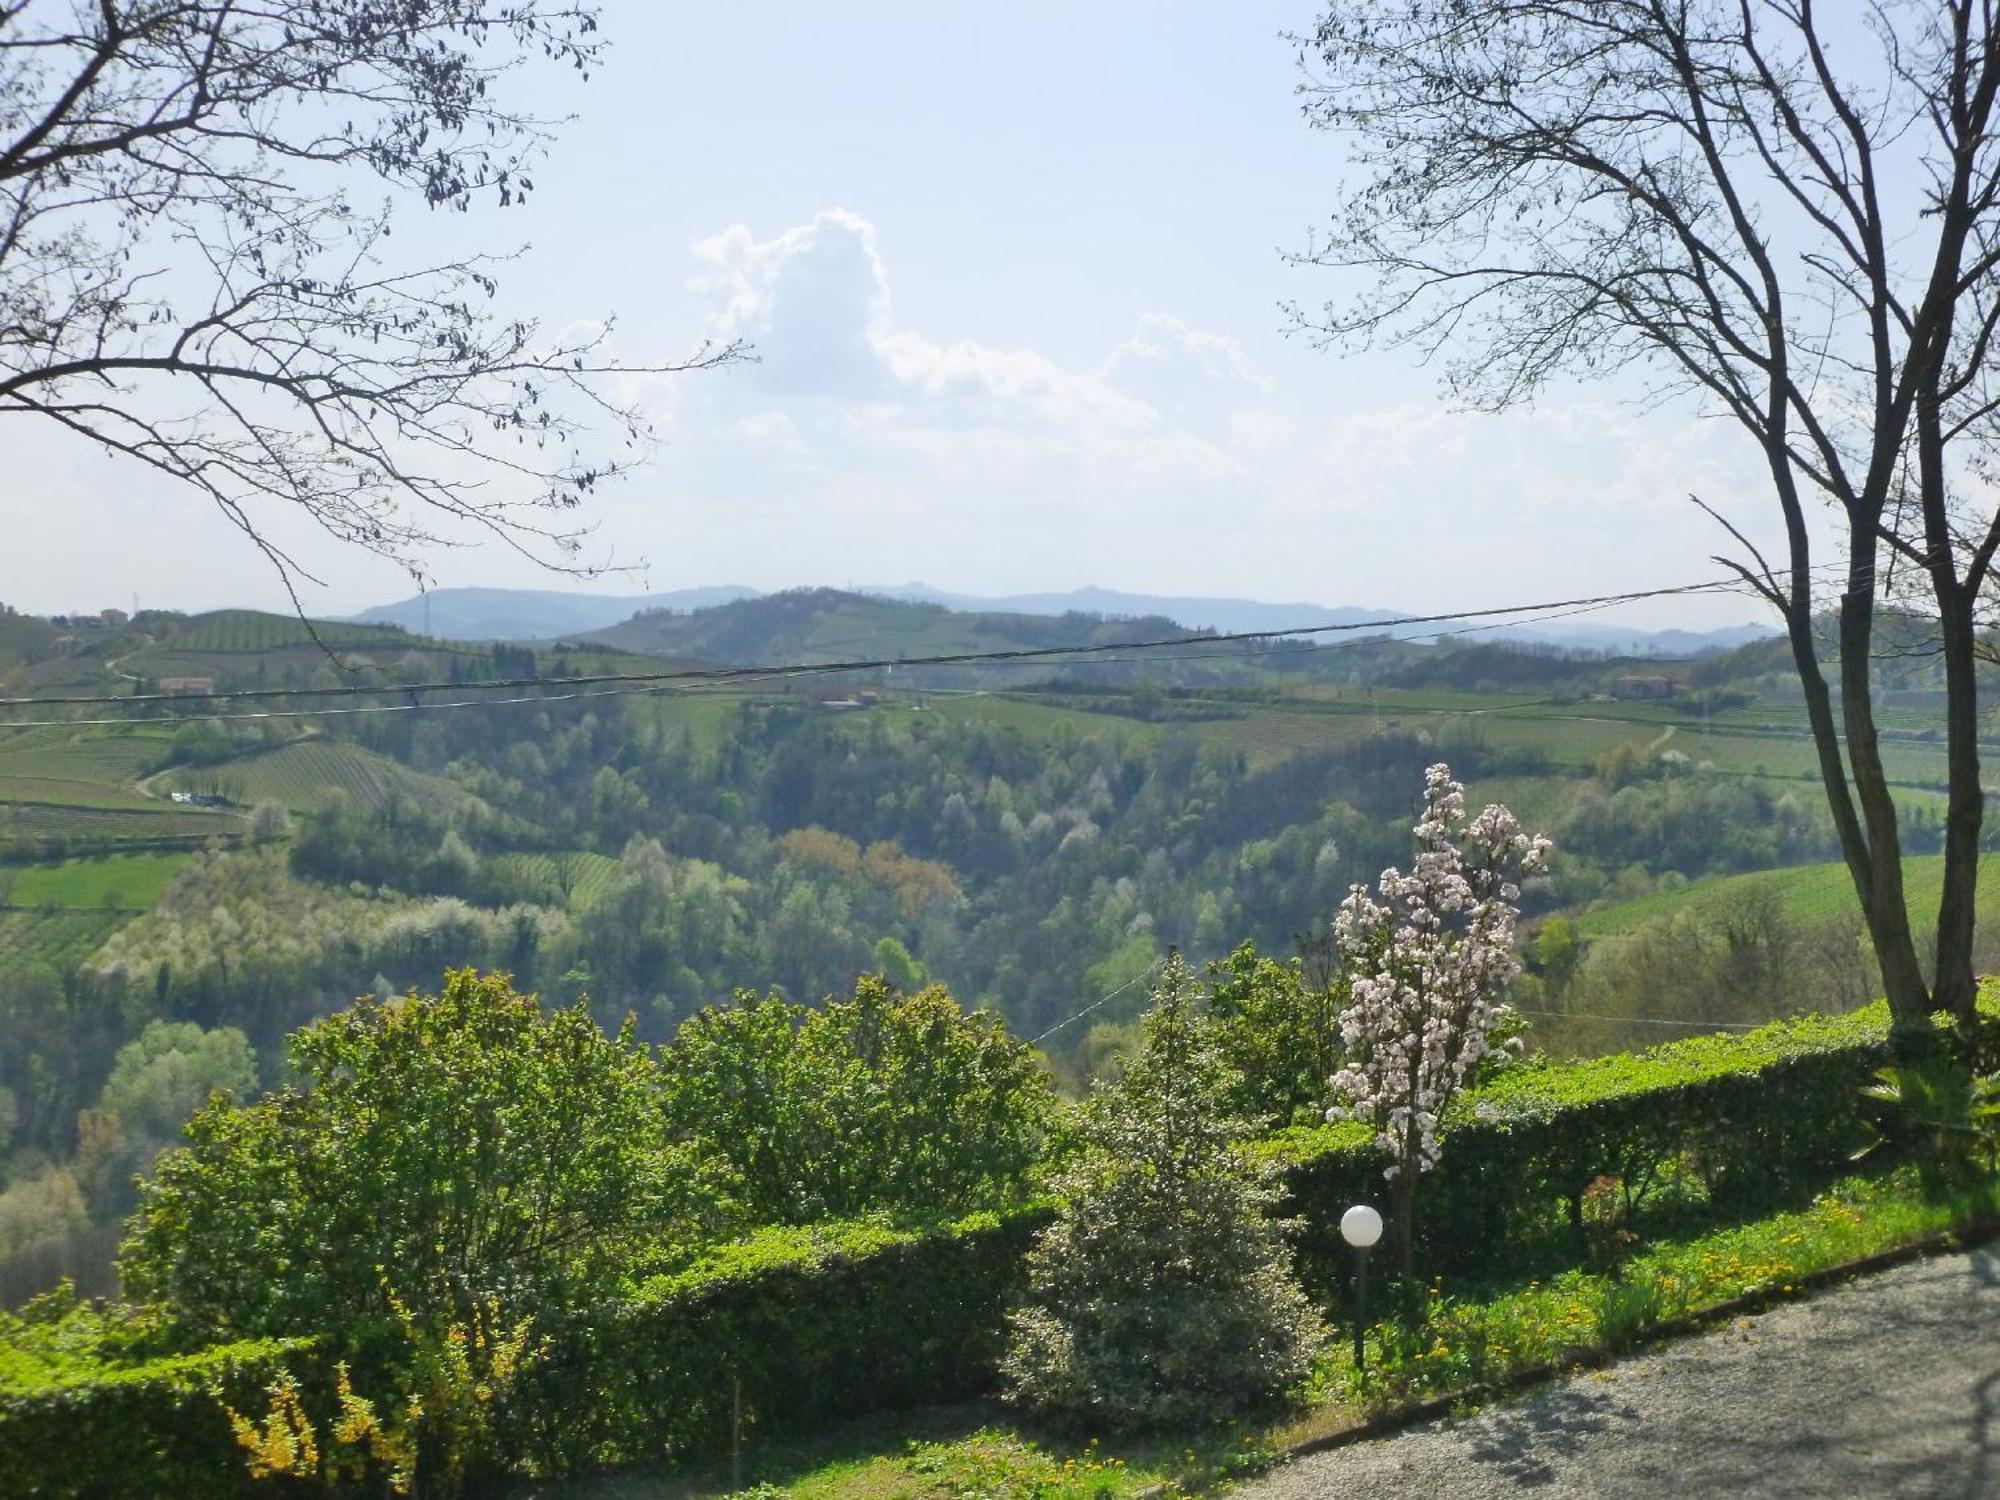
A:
x: 1361, y: 1227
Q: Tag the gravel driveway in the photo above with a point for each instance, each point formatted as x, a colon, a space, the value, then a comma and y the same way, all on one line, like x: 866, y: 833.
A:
x: 1888, y: 1386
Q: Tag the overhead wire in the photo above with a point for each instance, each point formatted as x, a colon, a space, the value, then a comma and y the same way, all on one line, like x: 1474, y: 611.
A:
x: 1149, y: 971
x: 956, y: 658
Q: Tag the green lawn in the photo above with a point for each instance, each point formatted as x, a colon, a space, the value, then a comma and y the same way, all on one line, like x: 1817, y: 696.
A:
x: 128, y: 882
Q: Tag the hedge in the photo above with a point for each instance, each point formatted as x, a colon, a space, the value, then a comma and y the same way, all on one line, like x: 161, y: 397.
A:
x: 1760, y: 1116
x: 143, y: 1431
x: 808, y: 1325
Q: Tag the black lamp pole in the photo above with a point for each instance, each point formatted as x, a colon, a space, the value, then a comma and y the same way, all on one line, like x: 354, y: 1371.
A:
x: 1361, y: 1313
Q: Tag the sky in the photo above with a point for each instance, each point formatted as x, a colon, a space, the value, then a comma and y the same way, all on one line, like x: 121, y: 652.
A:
x: 1015, y: 278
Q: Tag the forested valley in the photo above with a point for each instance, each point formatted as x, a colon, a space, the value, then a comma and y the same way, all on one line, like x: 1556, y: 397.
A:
x: 1034, y: 843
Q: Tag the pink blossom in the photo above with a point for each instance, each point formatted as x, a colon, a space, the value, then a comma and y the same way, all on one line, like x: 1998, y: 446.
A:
x: 1428, y: 959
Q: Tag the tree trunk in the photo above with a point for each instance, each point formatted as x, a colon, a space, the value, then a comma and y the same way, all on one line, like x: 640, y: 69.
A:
x: 1882, y: 899
x: 1954, y: 989
x: 1402, y: 1220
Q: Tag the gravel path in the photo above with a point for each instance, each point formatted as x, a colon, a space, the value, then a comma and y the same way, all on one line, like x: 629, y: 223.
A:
x: 1885, y: 1387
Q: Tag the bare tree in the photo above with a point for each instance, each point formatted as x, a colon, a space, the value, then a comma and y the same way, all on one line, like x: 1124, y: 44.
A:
x: 185, y: 280
x: 1796, y: 220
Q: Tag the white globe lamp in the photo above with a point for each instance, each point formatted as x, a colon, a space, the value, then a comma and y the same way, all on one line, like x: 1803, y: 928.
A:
x: 1361, y: 1227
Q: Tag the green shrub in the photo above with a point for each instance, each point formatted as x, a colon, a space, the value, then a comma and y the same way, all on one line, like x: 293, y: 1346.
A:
x: 1762, y: 1117
x: 882, y: 1103
x: 836, y: 1320
x: 814, y: 1324
x: 1162, y: 1296
x: 81, y: 1430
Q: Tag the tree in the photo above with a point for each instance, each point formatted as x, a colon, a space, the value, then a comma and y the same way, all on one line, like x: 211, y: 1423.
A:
x: 1279, y: 1030
x: 882, y: 1103
x: 1163, y: 1294
x: 1794, y: 220
x: 185, y: 280
x: 1427, y: 966
x: 497, y: 1161
x: 158, y: 1081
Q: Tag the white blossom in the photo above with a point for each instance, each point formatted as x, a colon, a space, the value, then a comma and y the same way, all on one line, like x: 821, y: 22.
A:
x: 1428, y: 959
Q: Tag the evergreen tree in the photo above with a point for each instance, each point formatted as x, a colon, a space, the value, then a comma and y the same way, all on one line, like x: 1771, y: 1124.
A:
x: 1163, y: 1294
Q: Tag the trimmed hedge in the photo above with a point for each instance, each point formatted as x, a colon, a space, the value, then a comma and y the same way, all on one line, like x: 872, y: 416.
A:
x: 1761, y: 1116
x: 79, y: 1431
x: 816, y: 1324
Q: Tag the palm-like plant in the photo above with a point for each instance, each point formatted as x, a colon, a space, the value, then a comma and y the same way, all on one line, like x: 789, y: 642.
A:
x: 1942, y: 1114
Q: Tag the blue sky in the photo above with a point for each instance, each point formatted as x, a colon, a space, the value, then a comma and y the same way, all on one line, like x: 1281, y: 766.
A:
x: 1015, y: 276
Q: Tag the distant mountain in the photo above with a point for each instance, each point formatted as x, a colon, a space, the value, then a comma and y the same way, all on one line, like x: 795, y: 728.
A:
x: 478, y: 614
x: 1226, y: 615
x: 474, y: 614
x: 812, y: 625
x: 1234, y: 615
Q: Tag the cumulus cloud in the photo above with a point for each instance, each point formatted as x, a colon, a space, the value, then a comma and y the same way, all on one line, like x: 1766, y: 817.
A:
x: 815, y: 302
x: 931, y: 455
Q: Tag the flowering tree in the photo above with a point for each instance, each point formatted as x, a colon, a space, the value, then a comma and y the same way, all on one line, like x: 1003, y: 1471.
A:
x: 1426, y: 966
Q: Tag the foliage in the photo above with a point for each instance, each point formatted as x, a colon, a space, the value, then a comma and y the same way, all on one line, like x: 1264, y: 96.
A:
x: 435, y: 1436
x: 885, y: 1102
x: 1941, y: 1113
x: 793, y: 1322
x: 1463, y: 1342
x: 1162, y: 1295
x: 91, y: 1422
x: 1279, y: 1031
x: 1426, y: 967
x: 1756, y: 1117
x: 468, y: 1143
x: 158, y: 1080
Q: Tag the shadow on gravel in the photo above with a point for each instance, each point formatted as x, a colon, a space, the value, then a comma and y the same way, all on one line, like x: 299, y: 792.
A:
x: 1526, y: 1442
x: 1799, y: 1411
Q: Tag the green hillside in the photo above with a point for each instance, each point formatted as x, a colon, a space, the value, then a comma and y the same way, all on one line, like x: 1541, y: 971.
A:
x: 1811, y: 893
x: 116, y: 882
x: 307, y: 775
x: 809, y: 625
x: 54, y: 937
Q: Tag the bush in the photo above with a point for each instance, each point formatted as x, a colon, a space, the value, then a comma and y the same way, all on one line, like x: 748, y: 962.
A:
x: 85, y: 1414
x: 465, y: 1146
x: 885, y: 1103
x: 815, y: 1324
x: 837, y: 1320
x: 1760, y: 1118
x: 1162, y: 1295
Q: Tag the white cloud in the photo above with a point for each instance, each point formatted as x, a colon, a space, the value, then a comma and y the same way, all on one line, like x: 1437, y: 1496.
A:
x: 863, y: 448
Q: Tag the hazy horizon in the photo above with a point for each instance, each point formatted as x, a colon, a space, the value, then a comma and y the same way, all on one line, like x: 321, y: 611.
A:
x: 1015, y: 285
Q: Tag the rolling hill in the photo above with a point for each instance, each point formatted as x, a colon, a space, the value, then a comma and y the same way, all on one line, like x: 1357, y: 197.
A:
x: 475, y: 614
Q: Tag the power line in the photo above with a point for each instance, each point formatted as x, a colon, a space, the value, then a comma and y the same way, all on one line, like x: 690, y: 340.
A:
x: 957, y: 658
x: 1150, y: 970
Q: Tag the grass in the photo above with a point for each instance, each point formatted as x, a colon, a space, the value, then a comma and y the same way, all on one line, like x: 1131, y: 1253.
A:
x: 1810, y: 894
x: 128, y: 882
x: 1460, y: 1343
x: 1464, y: 1343
x: 34, y: 822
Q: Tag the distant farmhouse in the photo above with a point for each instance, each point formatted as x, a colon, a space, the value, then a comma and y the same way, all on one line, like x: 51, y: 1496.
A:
x: 187, y: 687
